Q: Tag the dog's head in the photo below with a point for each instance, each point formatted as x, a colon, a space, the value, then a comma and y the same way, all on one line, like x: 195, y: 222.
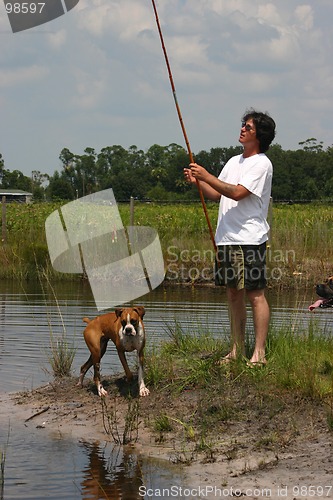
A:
x: 130, y: 319
x: 325, y: 291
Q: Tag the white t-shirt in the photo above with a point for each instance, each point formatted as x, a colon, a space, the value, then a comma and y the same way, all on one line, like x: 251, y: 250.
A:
x: 244, y: 222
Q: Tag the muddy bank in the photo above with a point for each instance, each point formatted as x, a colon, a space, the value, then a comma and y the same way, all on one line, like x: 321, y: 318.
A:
x: 265, y: 451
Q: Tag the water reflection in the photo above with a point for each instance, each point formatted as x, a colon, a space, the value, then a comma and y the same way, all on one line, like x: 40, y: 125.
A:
x: 115, y: 472
x: 111, y: 472
x: 40, y: 466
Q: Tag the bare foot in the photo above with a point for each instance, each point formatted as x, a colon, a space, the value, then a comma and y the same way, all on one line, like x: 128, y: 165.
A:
x: 258, y: 358
x: 229, y: 358
x: 257, y: 362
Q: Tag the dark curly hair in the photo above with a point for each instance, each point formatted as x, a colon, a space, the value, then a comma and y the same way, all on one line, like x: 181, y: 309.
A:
x: 265, y: 127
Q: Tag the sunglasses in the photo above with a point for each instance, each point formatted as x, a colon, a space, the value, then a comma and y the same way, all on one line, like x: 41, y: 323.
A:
x: 247, y: 126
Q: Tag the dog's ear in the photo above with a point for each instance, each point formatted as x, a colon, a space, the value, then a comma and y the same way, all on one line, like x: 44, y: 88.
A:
x: 118, y: 312
x: 140, y: 310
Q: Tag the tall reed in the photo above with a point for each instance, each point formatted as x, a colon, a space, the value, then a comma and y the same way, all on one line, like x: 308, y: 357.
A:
x: 301, y: 244
x: 2, y: 466
x: 60, y: 352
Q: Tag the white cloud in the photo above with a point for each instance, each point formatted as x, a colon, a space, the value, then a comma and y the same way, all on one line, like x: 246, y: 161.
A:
x: 95, y: 19
x: 20, y: 76
x: 97, y: 76
x: 89, y: 90
x: 285, y: 49
x: 304, y: 16
x: 270, y: 14
x: 126, y: 18
x: 57, y: 39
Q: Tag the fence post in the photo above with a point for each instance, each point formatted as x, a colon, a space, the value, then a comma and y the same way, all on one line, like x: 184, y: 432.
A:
x: 131, y: 211
x: 4, y: 220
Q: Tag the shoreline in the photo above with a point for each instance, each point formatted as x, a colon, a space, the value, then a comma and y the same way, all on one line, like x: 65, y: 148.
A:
x: 303, y: 458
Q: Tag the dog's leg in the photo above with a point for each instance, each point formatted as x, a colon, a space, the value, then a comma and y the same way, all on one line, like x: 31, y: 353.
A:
x: 97, y: 352
x: 84, y: 368
x: 129, y: 374
x: 93, y: 360
x: 143, y: 390
x: 97, y: 376
x: 97, y: 379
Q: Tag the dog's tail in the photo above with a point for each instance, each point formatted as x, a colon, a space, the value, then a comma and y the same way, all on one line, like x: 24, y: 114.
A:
x: 86, y: 320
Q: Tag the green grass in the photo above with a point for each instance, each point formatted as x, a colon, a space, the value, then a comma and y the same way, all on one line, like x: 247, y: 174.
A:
x: 163, y: 423
x: 302, y: 361
x: 60, y: 354
x: 208, y: 408
x: 299, y: 363
x: 301, y: 246
x: 184, y: 361
x: 25, y: 253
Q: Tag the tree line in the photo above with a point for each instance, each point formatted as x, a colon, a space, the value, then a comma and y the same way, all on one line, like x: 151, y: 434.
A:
x: 157, y: 174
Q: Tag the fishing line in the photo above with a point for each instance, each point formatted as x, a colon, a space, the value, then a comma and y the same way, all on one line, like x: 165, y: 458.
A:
x: 182, y: 124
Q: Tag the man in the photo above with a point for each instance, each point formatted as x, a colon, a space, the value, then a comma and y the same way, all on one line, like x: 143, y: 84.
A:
x: 243, y: 189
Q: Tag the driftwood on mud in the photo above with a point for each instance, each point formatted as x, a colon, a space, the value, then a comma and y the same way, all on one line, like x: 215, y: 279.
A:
x: 38, y: 413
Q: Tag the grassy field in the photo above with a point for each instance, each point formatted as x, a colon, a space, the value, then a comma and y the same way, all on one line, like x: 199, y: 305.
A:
x: 300, y: 248
x: 297, y: 364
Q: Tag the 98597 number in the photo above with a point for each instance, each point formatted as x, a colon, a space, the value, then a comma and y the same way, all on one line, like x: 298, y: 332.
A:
x: 24, y: 8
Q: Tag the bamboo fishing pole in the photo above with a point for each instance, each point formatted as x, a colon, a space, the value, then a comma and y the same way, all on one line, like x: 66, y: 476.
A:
x: 182, y: 124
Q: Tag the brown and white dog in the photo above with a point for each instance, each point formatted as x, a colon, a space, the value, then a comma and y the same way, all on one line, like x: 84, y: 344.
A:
x: 126, y: 330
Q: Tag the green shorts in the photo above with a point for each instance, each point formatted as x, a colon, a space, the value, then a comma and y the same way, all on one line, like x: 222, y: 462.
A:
x: 241, y: 266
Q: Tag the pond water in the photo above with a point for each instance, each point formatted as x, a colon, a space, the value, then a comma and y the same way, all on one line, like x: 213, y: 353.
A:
x: 48, y: 466
x: 29, y: 316
x: 40, y: 466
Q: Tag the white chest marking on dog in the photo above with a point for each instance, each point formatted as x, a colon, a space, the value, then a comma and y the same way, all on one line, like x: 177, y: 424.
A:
x: 134, y: 337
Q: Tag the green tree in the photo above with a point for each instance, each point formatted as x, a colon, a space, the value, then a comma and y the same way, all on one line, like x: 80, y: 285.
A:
x: 300, y: 174
x: 85, y: 166
x: 15, y: 180
x: 59, y: 188
x: 312, y: 145
x: 69, y: 161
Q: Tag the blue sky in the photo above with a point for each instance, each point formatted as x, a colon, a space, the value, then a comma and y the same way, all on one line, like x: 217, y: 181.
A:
x: 96, y: 76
